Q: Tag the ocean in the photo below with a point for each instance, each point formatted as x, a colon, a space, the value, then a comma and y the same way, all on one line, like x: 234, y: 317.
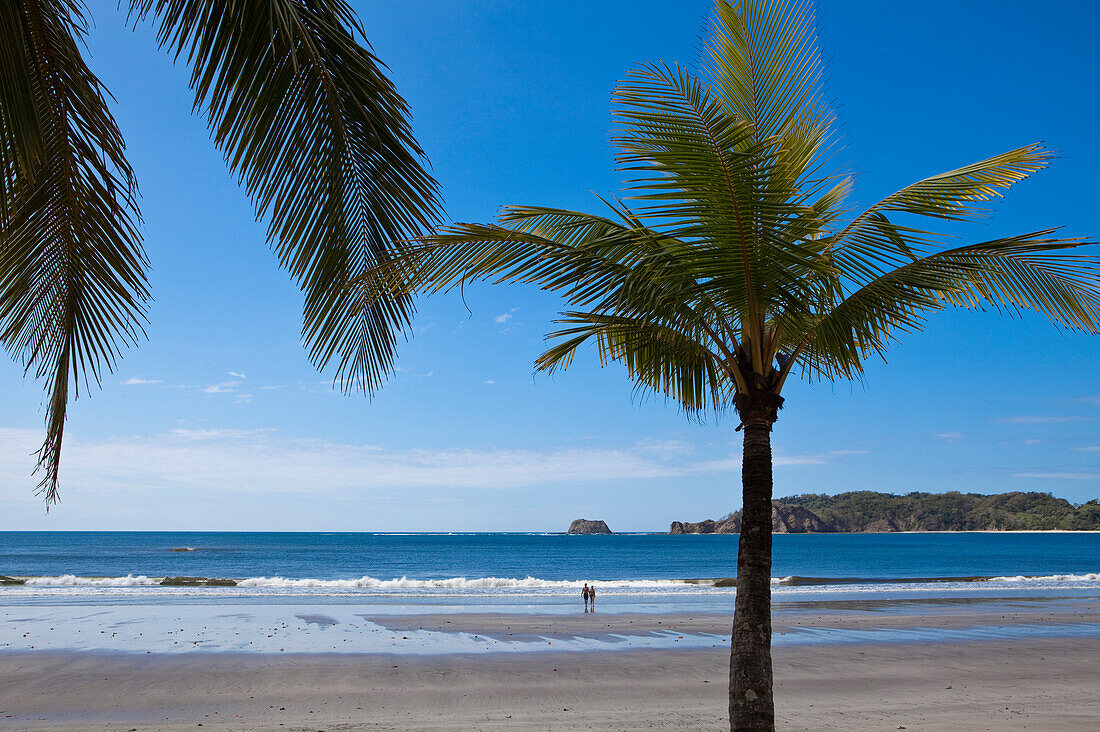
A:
x: 102, y: 590
x: 411, y: 565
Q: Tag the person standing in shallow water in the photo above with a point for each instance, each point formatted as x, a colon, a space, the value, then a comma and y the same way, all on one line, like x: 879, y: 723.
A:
x: 586, y: 593
x: 592, y: 597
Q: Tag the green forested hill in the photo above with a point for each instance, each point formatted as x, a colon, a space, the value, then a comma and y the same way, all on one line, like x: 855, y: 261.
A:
x: 954, y: 511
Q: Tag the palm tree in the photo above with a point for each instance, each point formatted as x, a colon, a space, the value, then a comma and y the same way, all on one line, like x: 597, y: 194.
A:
x: 305, y: 117
x: 739, y: 267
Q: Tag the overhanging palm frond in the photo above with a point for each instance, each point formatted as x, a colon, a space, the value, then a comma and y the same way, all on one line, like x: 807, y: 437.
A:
x: 321, y: 140
x: 72, y: 281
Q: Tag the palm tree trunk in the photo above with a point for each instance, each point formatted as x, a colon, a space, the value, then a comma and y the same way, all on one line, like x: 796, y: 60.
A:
x: 751, y: 705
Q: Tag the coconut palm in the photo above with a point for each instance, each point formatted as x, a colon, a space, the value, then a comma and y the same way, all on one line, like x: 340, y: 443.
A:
x: 305, y: 117
x: 739, y: 266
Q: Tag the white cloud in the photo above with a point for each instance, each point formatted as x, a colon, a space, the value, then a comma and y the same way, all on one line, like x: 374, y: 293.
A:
x: 225, y: 387
x: 488, y: 381
x: 218, y: 434
x: 261, y: 461
x: 237, y: 374
x: 243, y: 399
x: 950, y: 436
x: 273, y: 387
x: 1088, y: 448
x: 137, y: 380
x: 778, y: 460
x: 666, y: 448
x: 502, y: 318
x: 1037, y: 419
x: 1058, y: 476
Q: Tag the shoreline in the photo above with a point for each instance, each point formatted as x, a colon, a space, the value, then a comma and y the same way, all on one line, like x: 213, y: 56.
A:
x: 341, y: 629
x: 1002, y: 685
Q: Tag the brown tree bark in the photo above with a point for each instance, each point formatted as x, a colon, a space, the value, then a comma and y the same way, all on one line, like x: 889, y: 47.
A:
x: 750, y: 695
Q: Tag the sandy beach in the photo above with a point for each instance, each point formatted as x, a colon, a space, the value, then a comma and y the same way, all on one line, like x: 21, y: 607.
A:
x: 1024, y: 683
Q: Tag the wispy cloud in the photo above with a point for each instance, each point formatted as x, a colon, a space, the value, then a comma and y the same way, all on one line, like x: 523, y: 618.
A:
x: 950, y: 436
x: 666, y: 448
x: 489, y: 381
x: 226, y: 387
x: 137, y: 381
x: 261, y: 461
x: 1040, y: 419
x: 502, y: 318
x: 237, y: 374
x: 1058, y: 476
x: 1089, y: 448
x: 779, y: 460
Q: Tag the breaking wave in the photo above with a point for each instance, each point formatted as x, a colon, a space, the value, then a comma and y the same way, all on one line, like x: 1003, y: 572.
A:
x: 1089, y: 577
x: 69, y: 580
x: 454, y: 583
x: 511, y: 585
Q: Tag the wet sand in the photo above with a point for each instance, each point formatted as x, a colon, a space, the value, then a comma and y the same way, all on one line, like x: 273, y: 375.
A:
x: 1028, y: 685
x: 931, y: 616
x: 1018, y: 684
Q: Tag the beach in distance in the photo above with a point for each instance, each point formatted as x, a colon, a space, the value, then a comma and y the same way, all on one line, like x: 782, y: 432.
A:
x: 933, y: 631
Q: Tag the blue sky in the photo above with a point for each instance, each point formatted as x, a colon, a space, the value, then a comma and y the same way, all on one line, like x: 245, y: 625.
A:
x: 218, y: 421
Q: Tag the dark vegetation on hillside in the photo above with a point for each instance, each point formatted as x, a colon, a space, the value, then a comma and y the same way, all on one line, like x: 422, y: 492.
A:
x: 870, y: 511
x: 952, y: 511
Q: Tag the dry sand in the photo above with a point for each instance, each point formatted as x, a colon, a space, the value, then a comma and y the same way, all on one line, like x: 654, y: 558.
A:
x: 1036, y: 684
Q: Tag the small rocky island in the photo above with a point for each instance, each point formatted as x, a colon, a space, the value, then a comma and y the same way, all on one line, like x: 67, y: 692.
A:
x: 584, y: 526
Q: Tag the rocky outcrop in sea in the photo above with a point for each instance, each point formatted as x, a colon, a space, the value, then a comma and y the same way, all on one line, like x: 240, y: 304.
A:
x: 585, y: 526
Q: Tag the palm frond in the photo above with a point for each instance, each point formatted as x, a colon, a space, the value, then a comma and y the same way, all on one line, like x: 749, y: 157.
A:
x: 1014, y: 273
x: 764, y: 60
x: 320, y: 138
x: 873, y: 240
x: 72, y: 280
x: 709, y: 183
x: 660, y: 359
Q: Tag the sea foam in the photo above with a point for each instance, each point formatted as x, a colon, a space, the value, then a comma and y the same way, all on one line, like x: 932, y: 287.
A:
x: 69, y: 580
x: 453, y: 583
x: 1089, y: 577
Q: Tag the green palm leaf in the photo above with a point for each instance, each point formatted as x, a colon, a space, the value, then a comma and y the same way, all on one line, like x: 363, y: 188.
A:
x: 659, y: 358
x: 321, y: 140
x: 303, y: 113
x: 72, y: 280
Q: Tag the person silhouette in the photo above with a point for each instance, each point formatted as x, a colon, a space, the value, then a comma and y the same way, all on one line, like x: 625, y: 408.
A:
x: 586, y: 594
x: 592, y: 597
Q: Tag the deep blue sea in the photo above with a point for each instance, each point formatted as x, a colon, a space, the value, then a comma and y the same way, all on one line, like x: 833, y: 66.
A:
x: 313, y: 592
x: 407, y: 564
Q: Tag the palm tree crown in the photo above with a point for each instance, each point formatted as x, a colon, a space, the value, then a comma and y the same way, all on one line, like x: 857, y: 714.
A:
x: 738, y: 263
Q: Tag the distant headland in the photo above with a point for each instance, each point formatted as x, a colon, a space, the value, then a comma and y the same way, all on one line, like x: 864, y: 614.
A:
x: 868, y: 511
